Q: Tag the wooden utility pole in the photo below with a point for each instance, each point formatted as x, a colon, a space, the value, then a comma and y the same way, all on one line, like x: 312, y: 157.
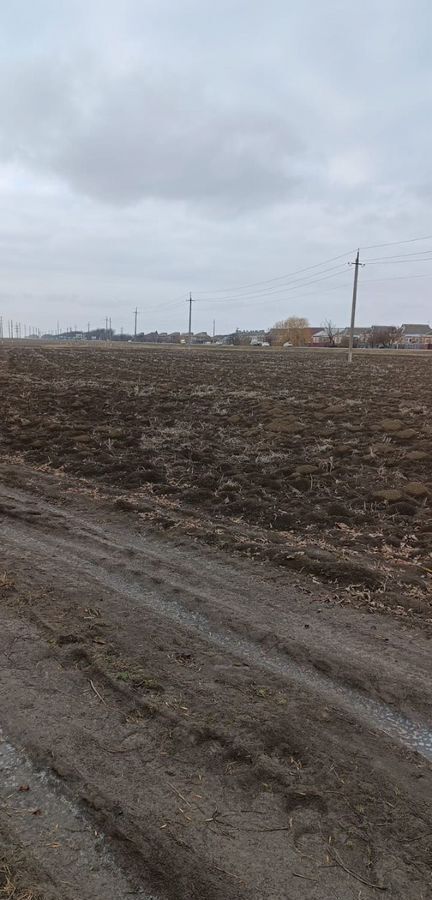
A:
x: 136, y: 321
x: 356, y: 265
x: 190, y: 301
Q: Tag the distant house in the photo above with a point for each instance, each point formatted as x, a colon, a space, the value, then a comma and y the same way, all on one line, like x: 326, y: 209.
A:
x: 360, y: 335
x: 247, y: 336
x: 320, y: 338
x: 416, y: 336
x: 311, y: 331
x: 340, y: 337
x: 257, y: 338
x: 68, y: 336
x: 201, y: 338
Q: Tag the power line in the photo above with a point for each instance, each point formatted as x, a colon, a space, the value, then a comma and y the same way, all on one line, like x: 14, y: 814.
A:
x: 399, y: 256
x: 326, y: 290
x: 398, y: 277
x: 289, y: 275
x: 262, y: 296
x: 427, y: 237
x: 313, y: 293
x: 293, y: 285
x: 369, y: 281
x: 298, y: 284
x: 398, y: 262
x: 168, y: 304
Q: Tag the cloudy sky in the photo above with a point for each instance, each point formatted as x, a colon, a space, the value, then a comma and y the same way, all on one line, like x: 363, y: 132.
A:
x: 149, y: 148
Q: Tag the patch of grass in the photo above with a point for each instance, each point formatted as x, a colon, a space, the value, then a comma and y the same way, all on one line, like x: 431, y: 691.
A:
x: 127, y: 672
x: 10, y: 886
x: 137, y: 678
x: 6, y: 582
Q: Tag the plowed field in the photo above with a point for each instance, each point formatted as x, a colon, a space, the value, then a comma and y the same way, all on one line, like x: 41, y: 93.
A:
x: 290, y: 457
x: 215, y: 607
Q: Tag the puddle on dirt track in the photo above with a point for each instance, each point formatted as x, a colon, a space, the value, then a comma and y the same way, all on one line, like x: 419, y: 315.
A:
x: 415, y: 736
x: 375, y: 714
x: 63, y: 844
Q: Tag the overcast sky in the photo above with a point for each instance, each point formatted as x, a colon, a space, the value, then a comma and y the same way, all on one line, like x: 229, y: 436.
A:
x: 149, y: 148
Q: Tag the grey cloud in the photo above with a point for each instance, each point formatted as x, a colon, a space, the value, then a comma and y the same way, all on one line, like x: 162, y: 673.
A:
x: 150, y: 147
x: 124, y: 139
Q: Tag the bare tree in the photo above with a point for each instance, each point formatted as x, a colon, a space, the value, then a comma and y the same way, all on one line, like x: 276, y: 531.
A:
x: 384, y: 337
x: 330, y: 330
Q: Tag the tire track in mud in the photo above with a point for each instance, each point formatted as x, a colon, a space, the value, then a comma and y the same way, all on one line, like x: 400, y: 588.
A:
x: 64, y: 845
x: 81, y: 554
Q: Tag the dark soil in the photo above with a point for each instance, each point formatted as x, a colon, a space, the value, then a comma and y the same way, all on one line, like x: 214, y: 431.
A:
x: 190, y: 722
x: 137, y: 673
x: 290, y: 457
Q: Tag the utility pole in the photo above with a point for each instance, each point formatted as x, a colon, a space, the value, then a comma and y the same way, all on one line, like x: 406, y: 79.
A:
x: 214, y: 329
x: 106, y: 328
x: 135, y: 321
x: 190, y: 301
x: 356, y: 265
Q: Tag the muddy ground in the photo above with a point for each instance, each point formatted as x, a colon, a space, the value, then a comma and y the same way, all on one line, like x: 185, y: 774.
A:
x: 289, y: 457
x: 215, y: 675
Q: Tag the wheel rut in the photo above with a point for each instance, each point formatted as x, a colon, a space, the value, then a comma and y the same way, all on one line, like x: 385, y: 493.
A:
x: 85, y: 549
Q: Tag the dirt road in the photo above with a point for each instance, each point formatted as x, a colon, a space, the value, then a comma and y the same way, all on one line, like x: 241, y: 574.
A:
x: 180, y: 724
